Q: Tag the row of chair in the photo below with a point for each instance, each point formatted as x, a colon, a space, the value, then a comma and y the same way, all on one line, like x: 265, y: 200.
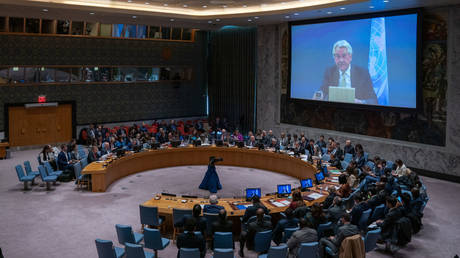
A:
x: 46, y: 172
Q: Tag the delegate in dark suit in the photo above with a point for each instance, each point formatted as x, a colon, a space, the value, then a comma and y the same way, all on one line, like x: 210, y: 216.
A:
x: 360, y: 80
x: 63, y: 161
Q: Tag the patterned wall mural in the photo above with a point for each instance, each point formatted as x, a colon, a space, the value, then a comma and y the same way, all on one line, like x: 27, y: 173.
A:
x: 109, y: 102
x: 428, y: 125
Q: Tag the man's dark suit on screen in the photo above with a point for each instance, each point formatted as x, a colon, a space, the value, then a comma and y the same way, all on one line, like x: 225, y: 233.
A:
x: 359, y: 78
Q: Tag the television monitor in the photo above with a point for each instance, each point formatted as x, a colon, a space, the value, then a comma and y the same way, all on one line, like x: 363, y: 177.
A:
x: 251, y: 192
x: 319, y: 177
x: 366, y: 60
x: 306, y: 183
x: 175, y: 144
x: 284, y: 189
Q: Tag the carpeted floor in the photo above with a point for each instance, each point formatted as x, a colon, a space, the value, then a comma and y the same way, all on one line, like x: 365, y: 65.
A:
x: 65, y: 222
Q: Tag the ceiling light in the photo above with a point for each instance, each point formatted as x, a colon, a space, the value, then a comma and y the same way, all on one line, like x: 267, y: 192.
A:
x: 372, y: 7
x: 147, y: 3
x: 257, y: 17
x: 329, y: 12
x: 287, y: 17
x: 130, y: 1
x: 209, y: 21
x: 249, y: 20
x: 224, y: 6
x: 283, y: 2
x: 263, y: 5
x: 185, y: 5
x: 296, y: 14
x: 134, y: 16
x: 165, y: 4
x: 217, y: 19
x: 171, y: 20
x: 45, y: 10
x: 342, y: 8
x: 245, y: 5
x: 204, y: 6
x: 386, y: 1
x: 91, y: 13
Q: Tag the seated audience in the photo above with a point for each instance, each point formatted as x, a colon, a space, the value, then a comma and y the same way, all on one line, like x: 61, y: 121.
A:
x: 417, y: 202
x: 348, y: 148
x: 395, y: 212
x: 347, y: 229
x: 345, y: 189
x: 251, y: 210
x: 189, y: 239
x: 74, y: 155
x: 289, y: 222
x: 93, y: 154
x: 321, y: 143
x: 357, y: 210
x: 212, y: 207
x: 316, y: 215
x: 222, y: 224
x: 47, y: 155
x: 306, y: 234
x: 336, y: 210
x: 247, y: 237
x: 401, y: 169
x: 297, y: 200
x: 330, y: 198
x: 335, y: 161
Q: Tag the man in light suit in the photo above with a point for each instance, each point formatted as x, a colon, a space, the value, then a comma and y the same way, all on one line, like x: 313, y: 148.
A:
x: 343, y: 74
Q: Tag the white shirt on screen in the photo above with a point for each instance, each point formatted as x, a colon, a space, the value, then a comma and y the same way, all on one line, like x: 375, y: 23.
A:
x: 347, y: 76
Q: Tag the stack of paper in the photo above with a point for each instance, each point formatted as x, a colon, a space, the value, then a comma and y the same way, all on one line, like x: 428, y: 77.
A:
x: 315, y: 195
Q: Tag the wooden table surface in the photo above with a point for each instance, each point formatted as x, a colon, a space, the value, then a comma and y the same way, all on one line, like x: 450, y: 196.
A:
x: 105, y: 173
x: 3, y: 146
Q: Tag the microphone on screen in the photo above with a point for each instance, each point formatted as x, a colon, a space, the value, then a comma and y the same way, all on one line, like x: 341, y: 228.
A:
x: 318, y: 95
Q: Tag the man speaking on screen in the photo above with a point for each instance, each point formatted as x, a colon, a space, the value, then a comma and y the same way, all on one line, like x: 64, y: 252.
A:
x: 345, y: 76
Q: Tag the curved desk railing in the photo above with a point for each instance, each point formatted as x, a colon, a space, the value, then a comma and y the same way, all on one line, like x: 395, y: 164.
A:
x: 103, y: 174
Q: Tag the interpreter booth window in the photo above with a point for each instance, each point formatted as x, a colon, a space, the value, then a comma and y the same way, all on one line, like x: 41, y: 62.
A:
x: 63, y: 74
x: 176, y: 33
x: 154, y: 32
x: 3, y: 75
x: 32, y: 75
x: 141, y: 31
x: 119, y: 30
x: 143, y: 74
x: 165, y: 33
x: 116, y: 74
x: 131, y: 31
x: 16, y: 75
x: 2, y: 24
x: 154, y: 74
x: 47, y: 74
x: 47, y: 26
x: 106, y: 30
x: 105, y: 74
x: 91, y: 29
x: 165, y: 73
x: 187, y: 34
x: 128, y: 74
x: 89, y: 73
x: 76, y: 74
x: 63, y: 27
x: 77, y: 27
x: 32, y: 25
x: 16, y: 24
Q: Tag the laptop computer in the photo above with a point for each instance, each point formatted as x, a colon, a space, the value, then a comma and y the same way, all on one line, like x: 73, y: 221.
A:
x: 341, y: 94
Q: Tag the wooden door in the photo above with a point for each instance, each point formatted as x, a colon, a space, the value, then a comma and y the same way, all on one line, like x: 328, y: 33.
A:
x: 40, y: 125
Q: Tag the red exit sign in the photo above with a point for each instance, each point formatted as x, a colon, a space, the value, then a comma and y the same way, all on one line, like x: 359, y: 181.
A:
x: 41, y: 99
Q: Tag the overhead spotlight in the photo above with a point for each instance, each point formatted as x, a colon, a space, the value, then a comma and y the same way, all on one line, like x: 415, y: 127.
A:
x: 171, y: 19
x: 249, y: 20
x: 263, y: 5
x: 45, y: 10
x: 147, y: 3
x: 296, y: 14
x: 204, y: 6
x: 287, y: 17
x: 134, y: 16
x: 185, y: 5
x: 386, y: 1
x: 329, y: 12
x: 245, y: 6
x: 217, y: 19
x: 91, y: 13
x: 283, y: 2
x: 209, y: 22
x: 372, y: 7
x: 130, y: 1
x: 224, y: 6
x: 165, y: 4
x: 257, y: 17
x: 342, y: 8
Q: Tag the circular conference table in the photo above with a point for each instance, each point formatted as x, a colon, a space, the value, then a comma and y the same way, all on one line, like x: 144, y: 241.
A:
x: 105, y: 173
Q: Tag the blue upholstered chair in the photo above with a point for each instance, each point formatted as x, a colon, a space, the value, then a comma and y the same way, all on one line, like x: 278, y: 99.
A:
x: 126, y: 235
x: 378, y: 213
x: 366, y: 156
x: 326, y: 157
x: 276, y: 252
x: 288, y: 233
x: 45, y: 177
x: 154, y: 241
x: 262, y: 241
x: 389, y: 164
x: 364, y: 219
x: 137, y: 251
x: 371, y: 239
x: 210, y: 218
x: 105, y: 249
x: 81, y: 179
x: 82, y: 153
x: 50, y: 171
x: 84, y: 162
x: 23, y: 178
x: 178, y: 215
x: 408, y: 192
x: 223, y: 240
x: 149, y: 216
x: 308, y: 250
x: 223, y: 253
x: 189, y: 253
x: 323, y: 228
x: 348, y: 157
x: 29, y: 170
